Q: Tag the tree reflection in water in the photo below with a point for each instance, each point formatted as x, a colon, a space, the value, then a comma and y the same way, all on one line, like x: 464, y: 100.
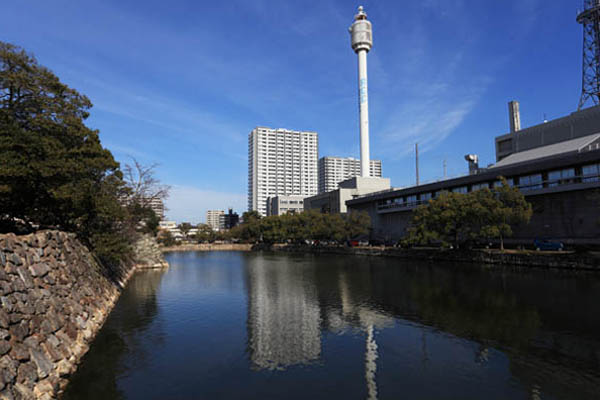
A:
x: 118, y: 339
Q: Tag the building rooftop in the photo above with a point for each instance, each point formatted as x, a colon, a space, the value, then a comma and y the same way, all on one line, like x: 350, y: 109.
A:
x: 570, y: 146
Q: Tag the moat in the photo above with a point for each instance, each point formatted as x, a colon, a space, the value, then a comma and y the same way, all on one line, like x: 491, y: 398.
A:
x: 232, y: 325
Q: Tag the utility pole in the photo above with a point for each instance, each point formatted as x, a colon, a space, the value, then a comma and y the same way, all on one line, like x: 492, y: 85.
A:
x: 417, y: 161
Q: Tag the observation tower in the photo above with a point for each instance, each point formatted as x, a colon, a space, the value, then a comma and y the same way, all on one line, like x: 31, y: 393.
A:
x: 361, y: 34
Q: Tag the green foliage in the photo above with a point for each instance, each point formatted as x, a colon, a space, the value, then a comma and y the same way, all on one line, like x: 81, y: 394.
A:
x: 455, y: 218
x: 297, y: 228
x: 55, y: 173
x: 205, y: 233
x: 166, y: 238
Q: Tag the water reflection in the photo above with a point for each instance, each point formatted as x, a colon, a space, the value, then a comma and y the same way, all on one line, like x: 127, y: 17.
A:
x: 495, y: 309
x: 346, y: 327
x: 283, y: 314
x: 122, y: 335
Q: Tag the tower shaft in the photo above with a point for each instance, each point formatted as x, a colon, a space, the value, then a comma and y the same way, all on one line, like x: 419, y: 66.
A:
x: 590, y: 19
x: 361, y: 39
x: 363, y: 105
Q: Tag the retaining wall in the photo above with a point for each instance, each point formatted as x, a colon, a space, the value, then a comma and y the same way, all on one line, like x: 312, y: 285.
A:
x: 55, y: 297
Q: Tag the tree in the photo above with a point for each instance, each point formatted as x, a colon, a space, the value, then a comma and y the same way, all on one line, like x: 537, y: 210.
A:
x: 205, y: 233
x: 458, y: 218
x: 55, y: 173
x: 513, y: 211
x: 185, y: 227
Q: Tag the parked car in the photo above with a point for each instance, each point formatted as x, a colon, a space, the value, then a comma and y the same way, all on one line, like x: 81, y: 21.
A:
x: 548, y: 245
x: 352, y: 243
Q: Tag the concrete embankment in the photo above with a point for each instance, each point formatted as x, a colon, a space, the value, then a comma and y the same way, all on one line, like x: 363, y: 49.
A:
x: 563, y: 260
x: 209, y: 247
x: 55, y: 297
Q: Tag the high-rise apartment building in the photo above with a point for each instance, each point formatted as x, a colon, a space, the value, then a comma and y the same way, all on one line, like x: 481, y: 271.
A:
x: 280, y: 162
x: 333, y: 170
x: 212, y: 218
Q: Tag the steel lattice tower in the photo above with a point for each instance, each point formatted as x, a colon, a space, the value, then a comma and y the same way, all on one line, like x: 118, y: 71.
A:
x: 590, y: 19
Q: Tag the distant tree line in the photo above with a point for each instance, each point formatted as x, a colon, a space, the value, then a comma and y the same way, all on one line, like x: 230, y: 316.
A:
x: 457, y: 219
x: 286, y: 228
x: 54, y: 172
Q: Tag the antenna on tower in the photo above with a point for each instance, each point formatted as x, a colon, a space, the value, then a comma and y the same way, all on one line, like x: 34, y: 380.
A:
x: 590, y: 19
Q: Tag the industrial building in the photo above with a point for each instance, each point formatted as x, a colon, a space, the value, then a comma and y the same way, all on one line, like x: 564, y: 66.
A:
x: 333, y: 170
x: 278, y: 205
x: 555, y: 164
x: 334, y: 201
x: 280, y: 162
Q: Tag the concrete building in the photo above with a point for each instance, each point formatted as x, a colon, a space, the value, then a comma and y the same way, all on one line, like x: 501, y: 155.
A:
x: 229, y: 220
x: 333, y: 170
x: 212, y: 218
x: 334, y: 201
x: 171, y: 226
x: 158, y: 207
x: 280, y: 162
x: 278, y: 205
x: 555, y: 164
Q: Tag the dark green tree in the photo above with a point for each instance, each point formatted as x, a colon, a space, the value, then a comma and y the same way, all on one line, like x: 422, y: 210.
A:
x: 54, y: 171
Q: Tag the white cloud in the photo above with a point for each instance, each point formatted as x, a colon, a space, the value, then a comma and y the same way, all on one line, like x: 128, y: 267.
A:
x: 189, y: 204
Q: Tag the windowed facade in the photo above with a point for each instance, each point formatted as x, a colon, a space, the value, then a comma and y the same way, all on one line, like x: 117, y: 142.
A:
x: 280, y: 162
x: 590, y: 173
x: 530, y: 182
x: 561, y: 177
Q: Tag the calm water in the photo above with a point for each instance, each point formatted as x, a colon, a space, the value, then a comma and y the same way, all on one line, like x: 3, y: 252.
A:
x: 247, y: 325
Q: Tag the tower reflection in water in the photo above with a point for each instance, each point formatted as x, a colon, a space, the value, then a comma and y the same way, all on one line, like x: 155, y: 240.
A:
x: 285, y: 316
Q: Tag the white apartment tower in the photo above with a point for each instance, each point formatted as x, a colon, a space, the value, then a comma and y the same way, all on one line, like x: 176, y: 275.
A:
x: 333, y: 170
x: 212, y: 218
x: 280, y: 162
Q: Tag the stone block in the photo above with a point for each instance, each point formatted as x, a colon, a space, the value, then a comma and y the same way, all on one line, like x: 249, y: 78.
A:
x: 27, y: 372
x: 25, y: 277
x: 4, y: 334
x: 19, y: 331
x: 39, y: 269
x: 5, y: 288
x: 44, y: 366
x: 5, y: 347
x: 63, y: 368
x: 19, y: 352
x: 23, y: 391
x: 43, y: 388
x: 8, y: 369
x: 4, y: 319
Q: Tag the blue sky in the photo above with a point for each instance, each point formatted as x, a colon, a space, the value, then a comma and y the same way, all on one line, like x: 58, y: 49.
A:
x: 182, y: 83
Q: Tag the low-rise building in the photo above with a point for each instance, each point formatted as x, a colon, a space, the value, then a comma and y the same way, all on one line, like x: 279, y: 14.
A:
x: 334, y: 201
x: 278, y: 205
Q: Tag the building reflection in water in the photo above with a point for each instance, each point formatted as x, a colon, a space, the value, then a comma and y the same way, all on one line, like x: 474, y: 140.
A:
x: 284, y: 317
x: 283, y: 314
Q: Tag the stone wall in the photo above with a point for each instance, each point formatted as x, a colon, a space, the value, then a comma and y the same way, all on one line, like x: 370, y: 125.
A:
x: 55, y: 297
